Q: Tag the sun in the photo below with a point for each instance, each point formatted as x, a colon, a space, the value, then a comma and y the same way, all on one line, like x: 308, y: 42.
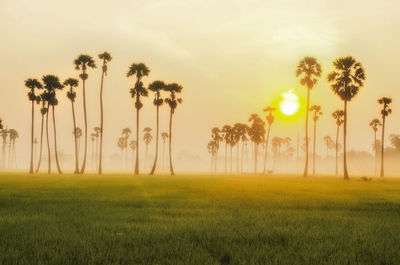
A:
x: 289, y: 104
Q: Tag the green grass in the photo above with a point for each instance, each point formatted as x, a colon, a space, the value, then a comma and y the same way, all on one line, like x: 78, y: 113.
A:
x: 194, y: 219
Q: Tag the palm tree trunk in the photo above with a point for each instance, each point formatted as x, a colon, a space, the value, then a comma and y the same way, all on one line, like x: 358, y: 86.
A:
x: 101, y: 125
x: 230, y: 157
x: 383, y: 146
x: 97, y: 152
x: 226, y: 156
x: 41, y: 145
x: 255, y: 158
x: 32, y: 132
x: 266, y: 150
x: 163, y: 156
x: 345, y: 173
x: 126, y: 155
x: 9, y: 154
x: 137, y: 141
x: 14, y: 155
x: 48, y: 140
x: 237, y: 157
x: 315, y: 135
x: 376, y: 153
x: 155, y: 159
x: 307, y: 110
x: 85, y: 116
x: 75, y: 139
x: 216, y: 160
x: 55, y: 141
x: 337, y: 149
x: 241, y: 166
x: 170, y: 141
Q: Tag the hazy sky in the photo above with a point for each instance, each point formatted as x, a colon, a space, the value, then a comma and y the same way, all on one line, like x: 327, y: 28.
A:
x: 232, y: 58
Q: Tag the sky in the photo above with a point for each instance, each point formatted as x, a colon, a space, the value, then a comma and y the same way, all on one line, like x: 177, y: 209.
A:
x: 233, y: 58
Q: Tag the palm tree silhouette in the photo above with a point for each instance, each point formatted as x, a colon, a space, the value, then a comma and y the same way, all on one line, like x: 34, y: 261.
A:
x: 276, y: 149
x: 329, y: 143
x: 51, y: 84
x: 317, y: 113
x: 93, y: 140
x: 121, y: 145
x: 35, y: 142
x: 126, y: 132
x: 338, y: 116
x: 106, y: 57
x: 147, y: 137
x: 244, y: 139
x: 386, y: 110
x: 71, y: 94
x: 97, y: 133
x: 374, y: 124
x: 78, y: 134
x: 43, y: 112
x: 240, y: 134
x: 156, y: 87
x: 309, y: 69
x: 257, y: 135
x: 346, y: 80
x: 173, y: 102
x: 270, y: 119
x: 138, y: 70
x: 227, y: 136
x: 4, y: 134
x: 32, y: 84
x: 216, y: 138
x: 164, y: 137
x: 212, y: 147
x: 133, y: 146
x: 12, y: 160
x: 82, y: 62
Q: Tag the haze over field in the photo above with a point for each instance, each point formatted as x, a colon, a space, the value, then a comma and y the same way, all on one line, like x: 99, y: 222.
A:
x: 233, y: 58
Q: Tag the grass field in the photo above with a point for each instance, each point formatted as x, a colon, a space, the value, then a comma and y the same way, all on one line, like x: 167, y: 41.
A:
x: 121, y: 219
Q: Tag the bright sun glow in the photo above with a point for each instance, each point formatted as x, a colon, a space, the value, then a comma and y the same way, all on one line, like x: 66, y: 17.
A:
x: 289, y: 104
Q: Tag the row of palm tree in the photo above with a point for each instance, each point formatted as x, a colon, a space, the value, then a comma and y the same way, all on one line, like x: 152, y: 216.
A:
x: 13, y: 135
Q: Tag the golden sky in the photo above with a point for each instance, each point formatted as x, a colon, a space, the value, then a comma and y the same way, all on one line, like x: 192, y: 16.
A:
x: 232, y: 58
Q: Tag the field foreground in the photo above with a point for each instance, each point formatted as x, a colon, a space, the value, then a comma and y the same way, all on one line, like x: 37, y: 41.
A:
x: 120, y: 219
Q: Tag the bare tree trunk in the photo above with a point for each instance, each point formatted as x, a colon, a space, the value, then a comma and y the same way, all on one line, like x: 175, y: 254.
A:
x: 230, y: 157
x: 376, y: 152
x: 237, y: 157
x: 163, y: 156
x: 226, y: 156
x: 266, y: 149
x: 345, y: 173
x: 48, y: 141
x: 337, y: 149
x: 137, y: 142
x: 41, y: 145
x: 32, y: 132
x: 241, y: 165
x: 86, y: 133
x: 383, y: 146
x: 101, y: 124
x: 170, y: 141
x: 155, y: 159
x: 255, y: 157
x: 75, y: 139
x: 315, y: 135
x: 55, y: 141
x: 307, y: 110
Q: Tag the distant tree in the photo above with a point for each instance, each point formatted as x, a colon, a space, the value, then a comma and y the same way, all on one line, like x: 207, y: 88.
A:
x: 4, y: 134
x: 97, y: 135
x: 257, y: 135
x: 52, y: 84
x: 121, y: 145
x: 270, y: 120
x: 346, y: 81
x: 71, y: 94
x: 164, y: 137
x: 276, y: 148
x: 329, y: 144
x: 173, y: 102
x: 157, y: 87
x: 240, y: 135
x: 106, y: 57
x: 338, y: 116
x: 235, y: 142
x: 93, y: 140
x: 386, y: 110
x: 227, y: 135
x: 11, y: 151
x: 309, y: 69
x: 43, y: 111
x: 32, y: 84
x: 216, y: 138
x: 212, y: 149
x: 35, y: 142
x: 317, y: 113
x: 374, y: 124
x: 395, y: 141
x: 77, y: 135
x: 147, y: 138
x: 139, y: 71
x: 133, y: 146
x: 126, y: 132
x: 82, y: 62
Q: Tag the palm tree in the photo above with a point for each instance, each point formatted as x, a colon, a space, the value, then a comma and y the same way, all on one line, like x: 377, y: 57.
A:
x: 164, y: 137
x: 227, y: 135
x: 374, y: 124
x: 126, y: 132
x: 346, y: 80
x: 338, y: 116
x: 276, y: 148
x: 309, y: 69
x: 51, y: 84
x: 43, y: 112
x: 4, y: 134
x: 11, y: 148
x: 257, y: 135
x: 216, y: 138
x: 106, y: 57
x: 138, y: 70
x: 121, y: 145
x: 240, y: 134
x: 133, y: 146
x: 97, y: 132
x: 329, y: 143
x: 93, y: 139
x: 156, y: 87
x: 147, y: 137
x: 35, y: 142
x: 317, y: 113
x: 270, y: 119
x: 244, y: 140
x: 82, y: 62
x: 32, y: 84
x: 386, y: 110
x: 212, y: 147
x: 71, y: 94
x: 78, y: 134
x: 173, y: 102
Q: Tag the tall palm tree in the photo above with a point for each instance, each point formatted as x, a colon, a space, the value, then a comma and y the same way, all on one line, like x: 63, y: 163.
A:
x: 46, y: 97
x: 374, y: 124
x: 212, y: 147
x: 35, y: 142
x: 82, y: 62
x: 338, y: 116
x: 43, y: 112
x: 4, y: 134
x: 309, y: 69
x: 31, y: 84
x: 133, y: 146
x: 121, y: 145
x: 11, y: 148
x: 317, y: 113
x: 276, y: 149
x: 164, y: 137
x: 71, y: 94
x: 216, y: 138
x: 346, y: 80
x: 244, y: 140
x: 386, y: 110
x: 270, y: 119
x: 257, y: 135
x: 97, y: 133
x: 240, y: 133
x: 227, y: 136
x: 106, y: 57
x: 126, y: 132
x: 51, y: 84
x: 173, y: 102
x: 78, y: 134
x: 329, y: 144
x: 138, y: 70
x: 147, y: 137
x: 156, y: 87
